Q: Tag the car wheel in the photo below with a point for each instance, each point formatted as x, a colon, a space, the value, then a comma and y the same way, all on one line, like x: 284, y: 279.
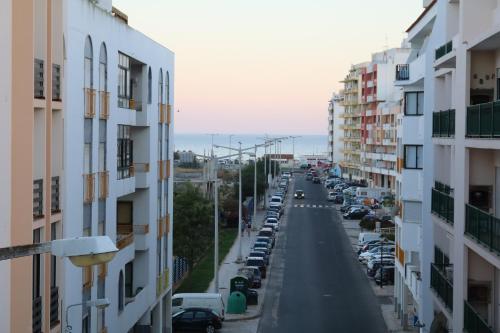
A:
x: 210, y: 328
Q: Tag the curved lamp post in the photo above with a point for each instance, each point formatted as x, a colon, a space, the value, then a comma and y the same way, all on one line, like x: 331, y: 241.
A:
x: 100, y: 303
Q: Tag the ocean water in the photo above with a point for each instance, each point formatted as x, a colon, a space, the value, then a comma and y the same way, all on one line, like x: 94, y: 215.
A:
x: 201, y: 143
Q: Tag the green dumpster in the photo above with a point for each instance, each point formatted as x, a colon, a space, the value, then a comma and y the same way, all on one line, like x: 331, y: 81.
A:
x: 240, y: 283
x: 237, y: 303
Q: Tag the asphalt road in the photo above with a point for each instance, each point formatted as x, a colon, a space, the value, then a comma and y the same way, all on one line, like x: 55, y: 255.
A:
x: 316, y: 284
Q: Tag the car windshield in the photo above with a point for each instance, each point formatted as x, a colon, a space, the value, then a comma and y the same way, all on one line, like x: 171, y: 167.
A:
x: 299, y: 191
x: 255, y: 262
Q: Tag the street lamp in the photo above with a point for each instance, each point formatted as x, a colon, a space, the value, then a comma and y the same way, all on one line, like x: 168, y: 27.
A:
x: 81, y: 251
x: 100, y: 303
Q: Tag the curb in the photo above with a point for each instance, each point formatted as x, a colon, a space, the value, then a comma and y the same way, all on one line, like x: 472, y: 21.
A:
x: 257, y: 315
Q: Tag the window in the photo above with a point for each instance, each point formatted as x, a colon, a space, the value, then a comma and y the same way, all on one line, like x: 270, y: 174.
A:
x: 150, y: 86
x: 129, y: 279
x: 414, y: 103
x: 102, y: 145
x: 413, y: 157
x: 177, y: 301
x: 87, y: 158
x: 123, y: 80
x: 124, y: 151
x: 120, y: 292
x: 167, y: 87
x: 88, y: 65
x: 101, y: 218
x: 160, y: 88
x: 103, y: 69
x: 201, y: 315
x: 188, y: 315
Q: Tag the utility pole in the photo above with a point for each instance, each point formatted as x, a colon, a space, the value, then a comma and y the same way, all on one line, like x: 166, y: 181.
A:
x: 255, y: 186
x: 265, y: 176
x: 216, y: 236
x: 240, y: 257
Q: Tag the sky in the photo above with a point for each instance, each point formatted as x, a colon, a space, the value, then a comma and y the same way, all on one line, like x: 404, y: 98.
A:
x: 265, y: 66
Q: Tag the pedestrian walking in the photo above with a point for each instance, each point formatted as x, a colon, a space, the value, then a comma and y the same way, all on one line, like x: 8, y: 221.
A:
x: 249, y: 227
x: 243, y: 225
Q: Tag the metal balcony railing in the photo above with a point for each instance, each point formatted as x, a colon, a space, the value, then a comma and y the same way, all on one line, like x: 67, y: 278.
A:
x: 162, y: 113
x: 443, y: 205
x: 483, y: 227
x: 88, y: 187
x: 444, y: 50
x: 442, y: 286
x: 89, y: 103
x: 103, y: 184
x: 141, y: 167
x: 402, y: 72
x: 39, y: 86
x: 483, y: 120
x: 124, y: 235
x: 443, y: 123
x: 54, y: 306
x: 55, y: 195
x: 36, y: 314
x: 56, y: 82
x: 37, y: 198
x: 473, y: 322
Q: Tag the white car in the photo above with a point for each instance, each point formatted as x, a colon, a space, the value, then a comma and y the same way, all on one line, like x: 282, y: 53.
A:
x: 365, y: 256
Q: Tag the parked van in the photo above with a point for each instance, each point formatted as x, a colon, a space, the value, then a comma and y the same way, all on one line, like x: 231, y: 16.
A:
x: 211, y: 301
x: 372, y: 192
x: 276, y: 200
x: 364, y: 237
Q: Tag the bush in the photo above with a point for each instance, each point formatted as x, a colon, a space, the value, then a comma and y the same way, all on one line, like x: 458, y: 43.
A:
x: 369, y: 223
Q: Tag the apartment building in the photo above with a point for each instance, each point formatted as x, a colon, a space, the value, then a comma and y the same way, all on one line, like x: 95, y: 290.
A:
x: 381, y: 106
x: 335, y: 131
x: 412, y: 235
x: 351, y: 162
x: 118, y: 150
x: 31, y: 125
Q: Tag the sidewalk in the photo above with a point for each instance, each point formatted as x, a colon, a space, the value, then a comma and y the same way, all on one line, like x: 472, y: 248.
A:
x: 229, y: 267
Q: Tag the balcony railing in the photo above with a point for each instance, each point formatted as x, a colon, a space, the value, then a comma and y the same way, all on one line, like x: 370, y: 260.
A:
x: 141, y: 167
x: 473, y: 322
x: 56, y: 82
x: 37, y: 198
x: 442, y: 286
x: 88, y: 187
x: 161, y: 170
x: 162, y: 113
x: 483, y: 227
x: 402, y: 72
x: 124, y: 235
x: 89, y: 103
x: 39, y: 79
x: 103, y: 184
x: 37, y: 315
x: 483, y: 120
x: 160, y: 226
x: 54, y: 306
x: 444, y: 49
x: 103, y: 104
x: 443, y: 123
x: 141, y: 229
x: 443, y: 205
x: 400, y: 254
x: 55, y: 195
x: 169, y: 114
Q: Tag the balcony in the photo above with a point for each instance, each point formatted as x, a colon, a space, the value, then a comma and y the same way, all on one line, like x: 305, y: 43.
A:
x: 442, y: 205
x: 89, y: 103
x: 484, y: 228
x: 56, y: 82
x: 483, y: 120
x: 162, y: 117
x: 402, y: 72
x: 103, y: 105
x: 443, y: 124
x: 54, y: 306
x: 444, y: 50
x: 39, y: 87
x: 140, y: 236
x: 36, y: 314
x: 161, y: 170
x: 141, y: 175
x: 37, y: 198
x: 124, y: 235
x: 442, y: 286
x: 473, y: 323
x: 400, y: 255
x: 88, y: 187
x: 103, y: 184
x: 55, y: 195
x: 169, y: 114
x: 160, y: 227
x: 162, y: 282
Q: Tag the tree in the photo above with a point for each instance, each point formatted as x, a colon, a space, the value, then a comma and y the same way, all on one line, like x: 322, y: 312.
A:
x: 193, y: 232
x: 247, y: 178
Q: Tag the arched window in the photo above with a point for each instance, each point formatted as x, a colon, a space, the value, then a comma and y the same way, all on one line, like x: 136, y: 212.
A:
x: 160, y: 88
x: 88, y: 80
x: 150, y: 86
x: 167, y: 87
x: 103, y: 68
x: 120, y: 291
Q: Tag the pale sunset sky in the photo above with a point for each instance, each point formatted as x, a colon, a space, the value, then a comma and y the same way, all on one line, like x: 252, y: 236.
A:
x: 265, y: 66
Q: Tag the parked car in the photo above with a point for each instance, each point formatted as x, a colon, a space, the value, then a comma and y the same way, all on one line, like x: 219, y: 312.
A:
x: 364, y: 237
x: 276, y: 200
x: 316, y: 180
x: 309, y: 176
x: 260, y: 254
x: 196, y: 319
x: 265, y: 239
x: 376, y: 251
x: 255, y: 271
x: 212, y: 301
x: 299, y: 194
x: 385, y: 275
x: 377, y: 259
x: 258, y: 262
x: 273, y: 222
x: 276, y: 207
x: 272, y: 214
x: 371, y: 271
x: 356, y: 213
x: 267, y: 232
x: 331, y: 196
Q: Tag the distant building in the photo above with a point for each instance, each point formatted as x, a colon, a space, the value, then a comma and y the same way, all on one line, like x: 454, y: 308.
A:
x: 186, y: 156
x: 335, y: 130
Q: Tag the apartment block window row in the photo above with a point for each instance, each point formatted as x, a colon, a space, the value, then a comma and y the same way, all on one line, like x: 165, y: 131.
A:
x: 414, y: 156
x: 414, y: 103
x: 123, y: 80
x: 124, y: 152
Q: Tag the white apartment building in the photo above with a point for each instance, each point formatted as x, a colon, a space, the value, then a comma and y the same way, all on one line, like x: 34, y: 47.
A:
x: 381, y: 106
x: 335, y: 131
x: 118, y: 88
x: 413, y: 236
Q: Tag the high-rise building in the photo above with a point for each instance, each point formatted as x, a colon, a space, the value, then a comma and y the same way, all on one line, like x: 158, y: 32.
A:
x: 335, y: 131
x: 102, y: 168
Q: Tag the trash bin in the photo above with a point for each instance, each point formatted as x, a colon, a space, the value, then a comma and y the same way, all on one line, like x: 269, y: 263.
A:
x: 252, y: 297
x: 236, y: 303
x: 239, y: 283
